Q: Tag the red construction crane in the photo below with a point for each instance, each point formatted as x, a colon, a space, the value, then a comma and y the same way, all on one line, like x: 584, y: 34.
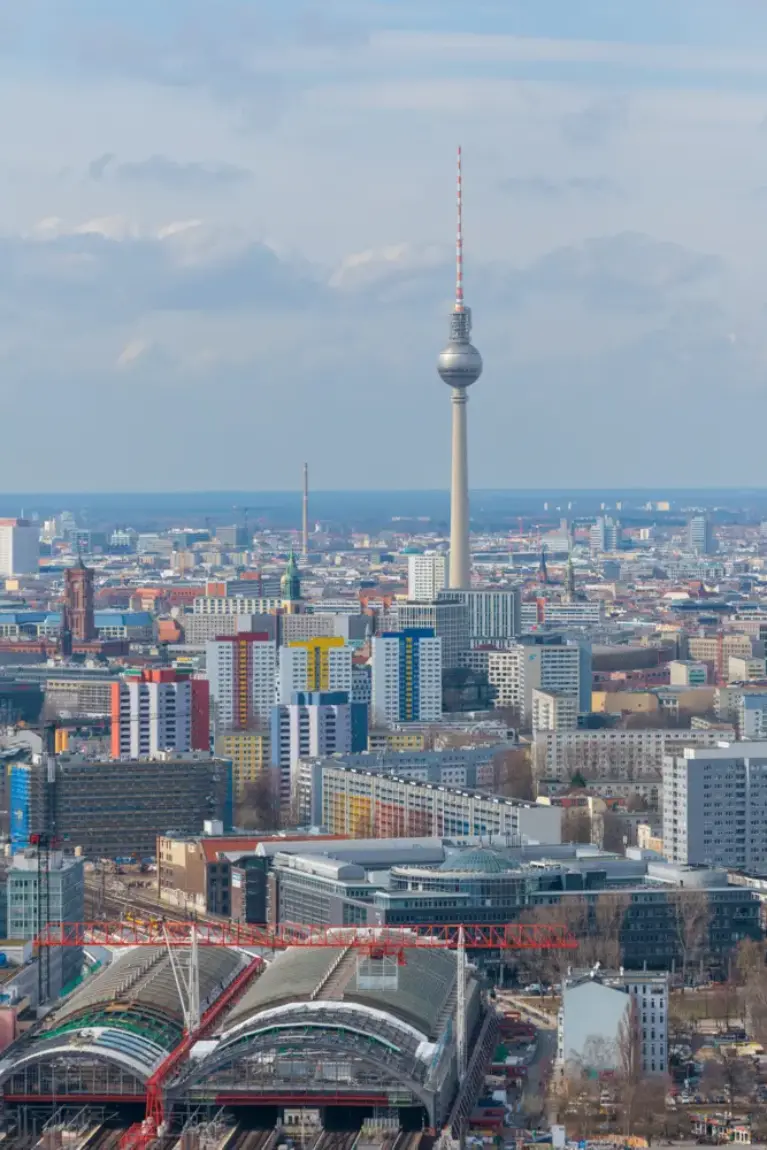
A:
x: 374, y: 941
x: 386, y: 939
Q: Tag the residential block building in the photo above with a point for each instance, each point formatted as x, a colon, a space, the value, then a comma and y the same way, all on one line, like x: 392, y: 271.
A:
x: 426, y: 575
x: 159, y: 710
x: 319, y: 664
x: 407, y: 677
x: 715, y: 806
x: 241, y: 669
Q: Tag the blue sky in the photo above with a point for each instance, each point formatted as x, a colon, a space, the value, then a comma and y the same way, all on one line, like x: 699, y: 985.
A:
x: 226, y: 235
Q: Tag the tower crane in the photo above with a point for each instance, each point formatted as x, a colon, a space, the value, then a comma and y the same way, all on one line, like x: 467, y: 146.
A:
x: 373, y: 942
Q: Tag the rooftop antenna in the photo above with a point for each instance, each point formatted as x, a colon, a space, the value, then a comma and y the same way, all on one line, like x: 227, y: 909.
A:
x: 459, y: 241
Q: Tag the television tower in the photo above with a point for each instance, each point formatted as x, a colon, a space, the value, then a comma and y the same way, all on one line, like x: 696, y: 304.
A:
x: 305, y: 514
x: 459, y: 365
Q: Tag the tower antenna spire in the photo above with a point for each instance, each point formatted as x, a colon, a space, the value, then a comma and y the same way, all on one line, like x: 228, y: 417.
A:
x: 459, y: 239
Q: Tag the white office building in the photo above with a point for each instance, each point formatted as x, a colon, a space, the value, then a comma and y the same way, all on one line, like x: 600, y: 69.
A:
x: 426, y: 576
x: 447, y: 618
x: 527, y: 667
x: 494, y: 614
x: 700, y: 536
x: 601, y: 1013
x: 752, y: 716
x: 746, y: 670
x: 19, y: 547
x: 313, y: 724
x: 715, y: 806
x: 553, y: 711
x: 407, y: 677
x: 605, y: 535
x: 687, y: 673
x: 579, y: 613
x: 241, y: 669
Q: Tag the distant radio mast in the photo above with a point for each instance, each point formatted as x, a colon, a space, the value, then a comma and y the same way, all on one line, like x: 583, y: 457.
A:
x: 305, y: 515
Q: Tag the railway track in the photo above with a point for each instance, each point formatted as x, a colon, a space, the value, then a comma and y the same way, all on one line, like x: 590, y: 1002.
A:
x: 252, y: 1140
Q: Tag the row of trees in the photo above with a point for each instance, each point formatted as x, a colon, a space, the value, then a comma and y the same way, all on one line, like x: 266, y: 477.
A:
x: 599, y: 922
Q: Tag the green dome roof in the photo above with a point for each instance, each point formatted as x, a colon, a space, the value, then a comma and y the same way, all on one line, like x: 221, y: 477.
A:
x: 481, y: 860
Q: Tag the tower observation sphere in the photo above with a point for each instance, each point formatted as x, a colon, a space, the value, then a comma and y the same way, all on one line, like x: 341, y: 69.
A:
x: 459, y: 365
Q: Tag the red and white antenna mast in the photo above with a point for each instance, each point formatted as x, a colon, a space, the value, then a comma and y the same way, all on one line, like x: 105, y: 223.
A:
x: 459, y: 241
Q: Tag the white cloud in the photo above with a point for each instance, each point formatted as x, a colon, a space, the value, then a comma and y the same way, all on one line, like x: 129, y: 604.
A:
x: 472, y: 48
x: 132, y: 352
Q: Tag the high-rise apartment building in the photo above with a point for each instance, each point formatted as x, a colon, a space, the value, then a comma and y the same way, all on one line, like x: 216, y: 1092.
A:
x: 427, y: 575
x: 312, y: 724
x: 19, y: 547
x: 159, y: 710
x: 715, y: 806
x: 321, y: 664
x: 447, y: 618
x: 700, y: 536
x: 605, y: 535
x: 494, y: 614
x: 241, y: 670
x: 559, y: 666
x: 407, y: 677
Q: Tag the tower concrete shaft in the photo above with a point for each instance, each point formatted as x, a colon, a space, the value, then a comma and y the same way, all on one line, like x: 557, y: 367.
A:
x: 459, y: 366
x: 460, y: 557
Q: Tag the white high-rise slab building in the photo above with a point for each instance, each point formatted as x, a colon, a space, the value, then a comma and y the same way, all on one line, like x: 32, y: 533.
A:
x: 525, y: 667
x: 426, y: 576
x: 241, y: 669
x: 494, y: 614
x: 407, y: 677
x: 19, y: 547
x: 715, y: 806
x: 323, y: 664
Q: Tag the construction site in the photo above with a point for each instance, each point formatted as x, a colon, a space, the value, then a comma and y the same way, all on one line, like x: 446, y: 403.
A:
x: 248, y: 1038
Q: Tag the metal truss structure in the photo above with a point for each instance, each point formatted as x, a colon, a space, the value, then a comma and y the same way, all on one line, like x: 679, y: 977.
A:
x: 375, y: 942
x: 381, y: 939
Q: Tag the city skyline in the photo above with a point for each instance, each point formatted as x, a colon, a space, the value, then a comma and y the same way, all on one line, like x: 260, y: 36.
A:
x: 266, y: 183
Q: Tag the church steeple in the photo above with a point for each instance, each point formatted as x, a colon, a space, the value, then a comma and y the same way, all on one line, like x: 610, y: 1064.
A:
x: 291, y: 582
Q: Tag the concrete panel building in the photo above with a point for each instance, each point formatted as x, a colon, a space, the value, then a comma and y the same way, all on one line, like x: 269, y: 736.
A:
x: 426, y: 576
x: 407, y: 677
x: 715, y: 806
x: 319, y: 664
x: 19, y: 547
x: 241, y: 671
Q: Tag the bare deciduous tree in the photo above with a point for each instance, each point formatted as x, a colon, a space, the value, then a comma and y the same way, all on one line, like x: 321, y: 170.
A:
x: 630, y: 1073
x: 692, y: 918
x: 259, y: 807
x: 513, y: 774
x: 576, y: 825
